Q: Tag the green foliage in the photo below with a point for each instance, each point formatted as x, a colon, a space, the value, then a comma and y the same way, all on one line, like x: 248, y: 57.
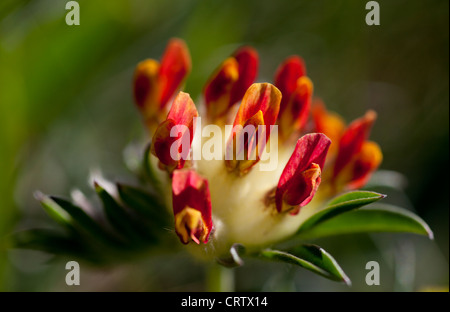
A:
x: 310, y: 257
x: 345, y: 214
x: 341, y: 204
x: 136, y: 221
x: 129, y: 226
x: 376, y: 218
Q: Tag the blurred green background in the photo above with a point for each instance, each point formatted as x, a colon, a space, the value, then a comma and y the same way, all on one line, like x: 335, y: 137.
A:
x: 66, y: 108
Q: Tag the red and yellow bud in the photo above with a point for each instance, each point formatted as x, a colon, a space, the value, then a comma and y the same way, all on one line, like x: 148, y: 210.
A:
x: 302, y: 175
x: 250, y: 149
x: 172, y: 140
x: 353, y: 158
x: 286, y: 78
x: 248, y: 61
x: 218, y: 90
x: 328, y: 123
x: 175, y: 66
x: 294, y: 115
x: 264, y: 97
x: 230, y: 81
x: 146, y: 88
x: 259, y: 110
x: 364, y: 164
x: 154, y: 84
x: 191, y: 206
x: 351, y: 142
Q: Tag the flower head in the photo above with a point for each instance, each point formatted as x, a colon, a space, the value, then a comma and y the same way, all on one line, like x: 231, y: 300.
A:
x: 252, y: 193
x: 247, y: 204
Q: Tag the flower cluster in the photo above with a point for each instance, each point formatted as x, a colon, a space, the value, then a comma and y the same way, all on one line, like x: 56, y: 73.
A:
x: 270, y: 169
x: 218, y: 202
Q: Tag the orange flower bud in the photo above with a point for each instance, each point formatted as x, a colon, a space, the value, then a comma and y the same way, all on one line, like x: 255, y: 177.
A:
x: 154, y: 84
x: 259, y: 110
x: 328, y: 123
x: 172, y: 140
x: 352, y: 140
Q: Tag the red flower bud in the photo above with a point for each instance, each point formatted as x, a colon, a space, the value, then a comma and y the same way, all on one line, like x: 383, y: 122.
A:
x: 175, y: 66
x: 172, y: 140
x: 228, y: 84
x: 364, y: 164
x: 218, y: 90
x: 146, y: 88
x: 191, y: 206
x: 352, y: 140
x: 258, y: 110
x: 328, y: 123
x: 155, y: 84
x: 302, y: 175
x: 294, y: 115
x: 248, y: 61
x: 286, y: 78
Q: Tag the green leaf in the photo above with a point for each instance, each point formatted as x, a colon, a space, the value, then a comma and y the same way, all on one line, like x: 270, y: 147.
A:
x: 144, y: 204
x: 55, y: 211
x: 83, y: 222
x: 310, y: 257
x: 121, y: 220
x: 341, y: 204
x: 234, y: 258
x: 53, y: 242
x: 377, y: 218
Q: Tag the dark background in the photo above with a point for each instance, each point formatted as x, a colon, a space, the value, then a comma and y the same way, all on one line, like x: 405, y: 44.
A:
x: 66, y: 108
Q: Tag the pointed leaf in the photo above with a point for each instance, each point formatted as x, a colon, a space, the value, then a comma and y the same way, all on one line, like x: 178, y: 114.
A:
x: 121, y: 220
x: 340, y: 204
x: 55, y: 211
x: 84, y: 222
x: 144, y: 204
x: 312, y: 258
x: 377, y: 218
x: 52, y: 242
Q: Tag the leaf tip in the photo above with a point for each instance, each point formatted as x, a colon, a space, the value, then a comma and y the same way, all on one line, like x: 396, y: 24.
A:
x: 39, y: 196
x: 97, y: 187
x: 378, y: 195
x: 346, y: 280
x: 430, y: 233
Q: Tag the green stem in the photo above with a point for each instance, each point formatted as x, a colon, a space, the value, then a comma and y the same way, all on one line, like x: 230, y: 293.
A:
x: 219, y: 278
